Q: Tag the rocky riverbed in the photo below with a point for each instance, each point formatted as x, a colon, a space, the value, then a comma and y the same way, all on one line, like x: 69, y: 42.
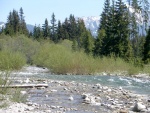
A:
x: 76, y: 97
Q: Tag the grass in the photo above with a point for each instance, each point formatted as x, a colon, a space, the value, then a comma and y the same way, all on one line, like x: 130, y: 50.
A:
x: 17, y: 96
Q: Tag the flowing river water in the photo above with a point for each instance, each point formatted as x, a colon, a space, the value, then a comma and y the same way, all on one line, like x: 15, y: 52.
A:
x: 60, y: 98
x: 137, y: 85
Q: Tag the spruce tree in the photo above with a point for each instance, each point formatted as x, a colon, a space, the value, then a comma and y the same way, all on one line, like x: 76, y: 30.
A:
x: 60, y: 31
x: 81, y: 30
x: 9, y: 25
x: 98, y: 49
x: 146, y: 52
x: 16, y: 24
x: 37, y: 32
x: 72, y: 27
x: 88, y: 42
x: 121, y: 44
x: 23, y: 27
x: 46, y: 29
x: 53, y: 28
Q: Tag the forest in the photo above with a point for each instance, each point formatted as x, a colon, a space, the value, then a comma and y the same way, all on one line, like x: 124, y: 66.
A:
x: 68, y: 47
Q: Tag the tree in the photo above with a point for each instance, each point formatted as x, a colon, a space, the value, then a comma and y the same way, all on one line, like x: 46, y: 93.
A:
x: 72, y: 27
x: 98, y: 49
x: 134, y: 28
x: 104, y: 15
x: 9, y: 25
x: 88, y: 42
x: 53, y: 28
x: 121, y: 44
x: 60, y: 31
x: 23, y: 27
x: 16, y: 19
x: 81, y: 29
x: 37, y: 32
x: 46, y: 29
x: 146, y: 52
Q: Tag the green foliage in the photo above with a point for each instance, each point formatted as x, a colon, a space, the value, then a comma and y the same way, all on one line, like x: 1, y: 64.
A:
x: 17, y: 96
x: 53, y: 29
x: 98, y: 44
x: 88, y: 42
x: 146, y: 51
x: 20, y: 45
x: 46, y: 29
x: 4, y: 81
x: 60, y: 59
x: 15, y: 24
x: 11, y: 61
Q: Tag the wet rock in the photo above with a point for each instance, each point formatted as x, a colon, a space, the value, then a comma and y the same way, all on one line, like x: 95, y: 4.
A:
x: 138, y: 107
x: 23, y: 92
x: 71, y: 98
x: 123, y: 111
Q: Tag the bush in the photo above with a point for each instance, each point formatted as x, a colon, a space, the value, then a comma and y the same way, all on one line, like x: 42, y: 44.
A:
x: 21, y: 44
x: 11, y: 61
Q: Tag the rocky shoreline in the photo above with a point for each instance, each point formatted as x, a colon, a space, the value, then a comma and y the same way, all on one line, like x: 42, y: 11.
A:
x: 74, y: 97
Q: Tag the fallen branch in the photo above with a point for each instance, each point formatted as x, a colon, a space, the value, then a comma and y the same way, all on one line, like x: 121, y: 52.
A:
x: 25, y: 86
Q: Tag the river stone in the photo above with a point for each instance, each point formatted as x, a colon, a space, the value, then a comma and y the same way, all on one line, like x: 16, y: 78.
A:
x: 71, y: 98
x: 138, y: 107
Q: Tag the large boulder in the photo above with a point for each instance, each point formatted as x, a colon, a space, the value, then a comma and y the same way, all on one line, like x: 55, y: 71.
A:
x: 138, y: 107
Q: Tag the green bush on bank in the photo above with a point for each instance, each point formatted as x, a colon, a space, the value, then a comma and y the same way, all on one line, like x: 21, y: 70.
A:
x: 16, y: 51
x: 11, y: 61
x: 62, y: 60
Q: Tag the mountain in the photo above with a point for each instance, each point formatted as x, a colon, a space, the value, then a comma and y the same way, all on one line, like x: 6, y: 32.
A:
x: 2, y: 25
x: 92, y: 23
x: 29, y: 26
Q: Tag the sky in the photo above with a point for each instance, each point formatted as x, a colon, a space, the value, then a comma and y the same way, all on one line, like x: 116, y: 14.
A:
x: 36, y: 11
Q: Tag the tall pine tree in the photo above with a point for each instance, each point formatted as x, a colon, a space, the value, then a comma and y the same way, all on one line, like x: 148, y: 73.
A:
x: 46, y: 29
x: 53, y: 28
x: 146, y: 52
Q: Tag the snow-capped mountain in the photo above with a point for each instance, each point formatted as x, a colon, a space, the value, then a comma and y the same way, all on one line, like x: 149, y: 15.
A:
x: 92, y: 23
x: 2, y: 25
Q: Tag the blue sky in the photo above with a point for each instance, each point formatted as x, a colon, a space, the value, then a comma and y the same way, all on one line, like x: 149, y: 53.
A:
x: 35, y: 11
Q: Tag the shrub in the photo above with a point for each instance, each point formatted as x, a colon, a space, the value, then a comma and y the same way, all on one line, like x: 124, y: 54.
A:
x: 11, y: 61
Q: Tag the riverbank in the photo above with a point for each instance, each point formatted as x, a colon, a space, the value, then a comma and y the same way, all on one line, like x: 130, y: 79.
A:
x: 74, y: 97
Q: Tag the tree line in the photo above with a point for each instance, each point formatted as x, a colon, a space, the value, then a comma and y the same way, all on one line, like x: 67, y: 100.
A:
x: 118, y: 33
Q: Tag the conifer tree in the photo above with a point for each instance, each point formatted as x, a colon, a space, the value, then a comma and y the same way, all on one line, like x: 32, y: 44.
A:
x: 9, y: 25
x: 23, y: 27
x: 98, y: 49
x: 60, y: 31
x: 37, y: 32
x: 16, y: 20
x: 88, y: 42
x: 65, y: 27
x: 104, y: 15
x: 53, y: 28
x: 121, y: 44
x: 146, y: 52
x: 72, y: 27
x: 81, y: 30
x: 46, y: 29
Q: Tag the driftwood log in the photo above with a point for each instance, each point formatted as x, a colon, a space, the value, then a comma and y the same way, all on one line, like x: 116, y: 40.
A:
x: 26, y: 86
